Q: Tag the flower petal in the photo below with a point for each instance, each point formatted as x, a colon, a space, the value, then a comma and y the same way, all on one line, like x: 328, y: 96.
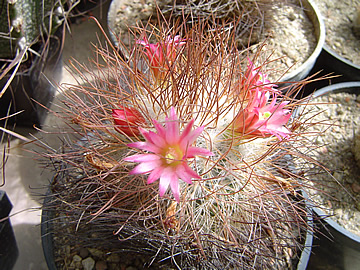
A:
x: 155, y: 139
x: 145, y: 167
x: 185, y: 173
x: 146, y: 146
x: 155, y: 175
x: 165, y: 179
x: 172, y: 124
x: 191, y: 136
x: 159, y: 128
x: 187, y: 129
x: 174, y: 185
x: 197, y: 151
x: 142, y: 158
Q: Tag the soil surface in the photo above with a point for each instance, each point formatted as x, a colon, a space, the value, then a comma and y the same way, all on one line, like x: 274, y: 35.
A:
x: 291, y: 37
x: 338, y: 186
x: 342, y: 22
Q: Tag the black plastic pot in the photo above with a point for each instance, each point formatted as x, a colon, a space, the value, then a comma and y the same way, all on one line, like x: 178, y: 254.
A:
x: 48, y: 216
x: 8, y: 248
x: 47, y: 232
x: 339, y: 65
x: 32, y: 88
x: 334, y: 247
x: 306, y: 253
x: 348, y: 87
x: 329, y: 62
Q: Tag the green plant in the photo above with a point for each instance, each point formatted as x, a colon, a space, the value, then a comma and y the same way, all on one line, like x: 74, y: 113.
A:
x: 23, y: 24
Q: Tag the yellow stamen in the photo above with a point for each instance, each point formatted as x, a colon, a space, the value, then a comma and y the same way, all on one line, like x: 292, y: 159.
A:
x: 265, y: 115
x: 173, y: 155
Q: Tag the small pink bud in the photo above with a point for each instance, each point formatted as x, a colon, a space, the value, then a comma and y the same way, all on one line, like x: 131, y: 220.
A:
x: 127, y: 120
x: 161, y: 54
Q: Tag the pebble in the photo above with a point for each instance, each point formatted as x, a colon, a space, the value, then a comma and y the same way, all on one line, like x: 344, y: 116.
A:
x: 88, y: 263
x: 83, y: 252
x: 292, y: 16
x: 96, y: 253
x: 101, y: 265
x: 355, y: 187
x: 76, y: 262
x: 339, y: 212
x: 113, y: 258
x: 337, y: 176
x: 67, y: 250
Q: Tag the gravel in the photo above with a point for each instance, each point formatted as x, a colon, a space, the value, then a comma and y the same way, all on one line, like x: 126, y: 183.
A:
x: 291, y: 37
x: 339, y: 186
x: 342, y: 21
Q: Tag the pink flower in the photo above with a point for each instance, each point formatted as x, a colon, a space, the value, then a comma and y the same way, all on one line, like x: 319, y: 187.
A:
x: 161, y: 55
x: 127, y: 120
x: 170, y: 151
x: 263, y: 119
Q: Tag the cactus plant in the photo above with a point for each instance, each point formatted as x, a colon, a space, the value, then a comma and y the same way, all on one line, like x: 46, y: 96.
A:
x: 182, y: 154
x: 28, y: 50
x: 24, y: 22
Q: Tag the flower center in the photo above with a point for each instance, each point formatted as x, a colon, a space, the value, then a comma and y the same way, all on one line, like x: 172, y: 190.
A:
x: 264, y: 115
x: 173, y: 155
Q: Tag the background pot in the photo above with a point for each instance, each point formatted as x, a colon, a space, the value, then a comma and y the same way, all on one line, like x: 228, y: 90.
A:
x: 348, y: 87
x: 304, y: 70
x: 335, y: 247
x: 306, y: 253
x: 333, y: 62
x: 329, y: 62
x: 47, y: 232
x: 297, y: 74
x: 32, y: 89
x: 8, y: 248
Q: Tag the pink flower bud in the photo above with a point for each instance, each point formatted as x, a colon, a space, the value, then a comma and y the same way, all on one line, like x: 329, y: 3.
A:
x: 161, y: 55
x: 127, y: 120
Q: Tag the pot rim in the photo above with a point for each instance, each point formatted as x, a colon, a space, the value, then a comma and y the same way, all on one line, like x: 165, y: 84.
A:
x: 336, y: 226
x: 336, y: 87
x: 337, y: 56
x: 306, y: 252
x: 319, y: 25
